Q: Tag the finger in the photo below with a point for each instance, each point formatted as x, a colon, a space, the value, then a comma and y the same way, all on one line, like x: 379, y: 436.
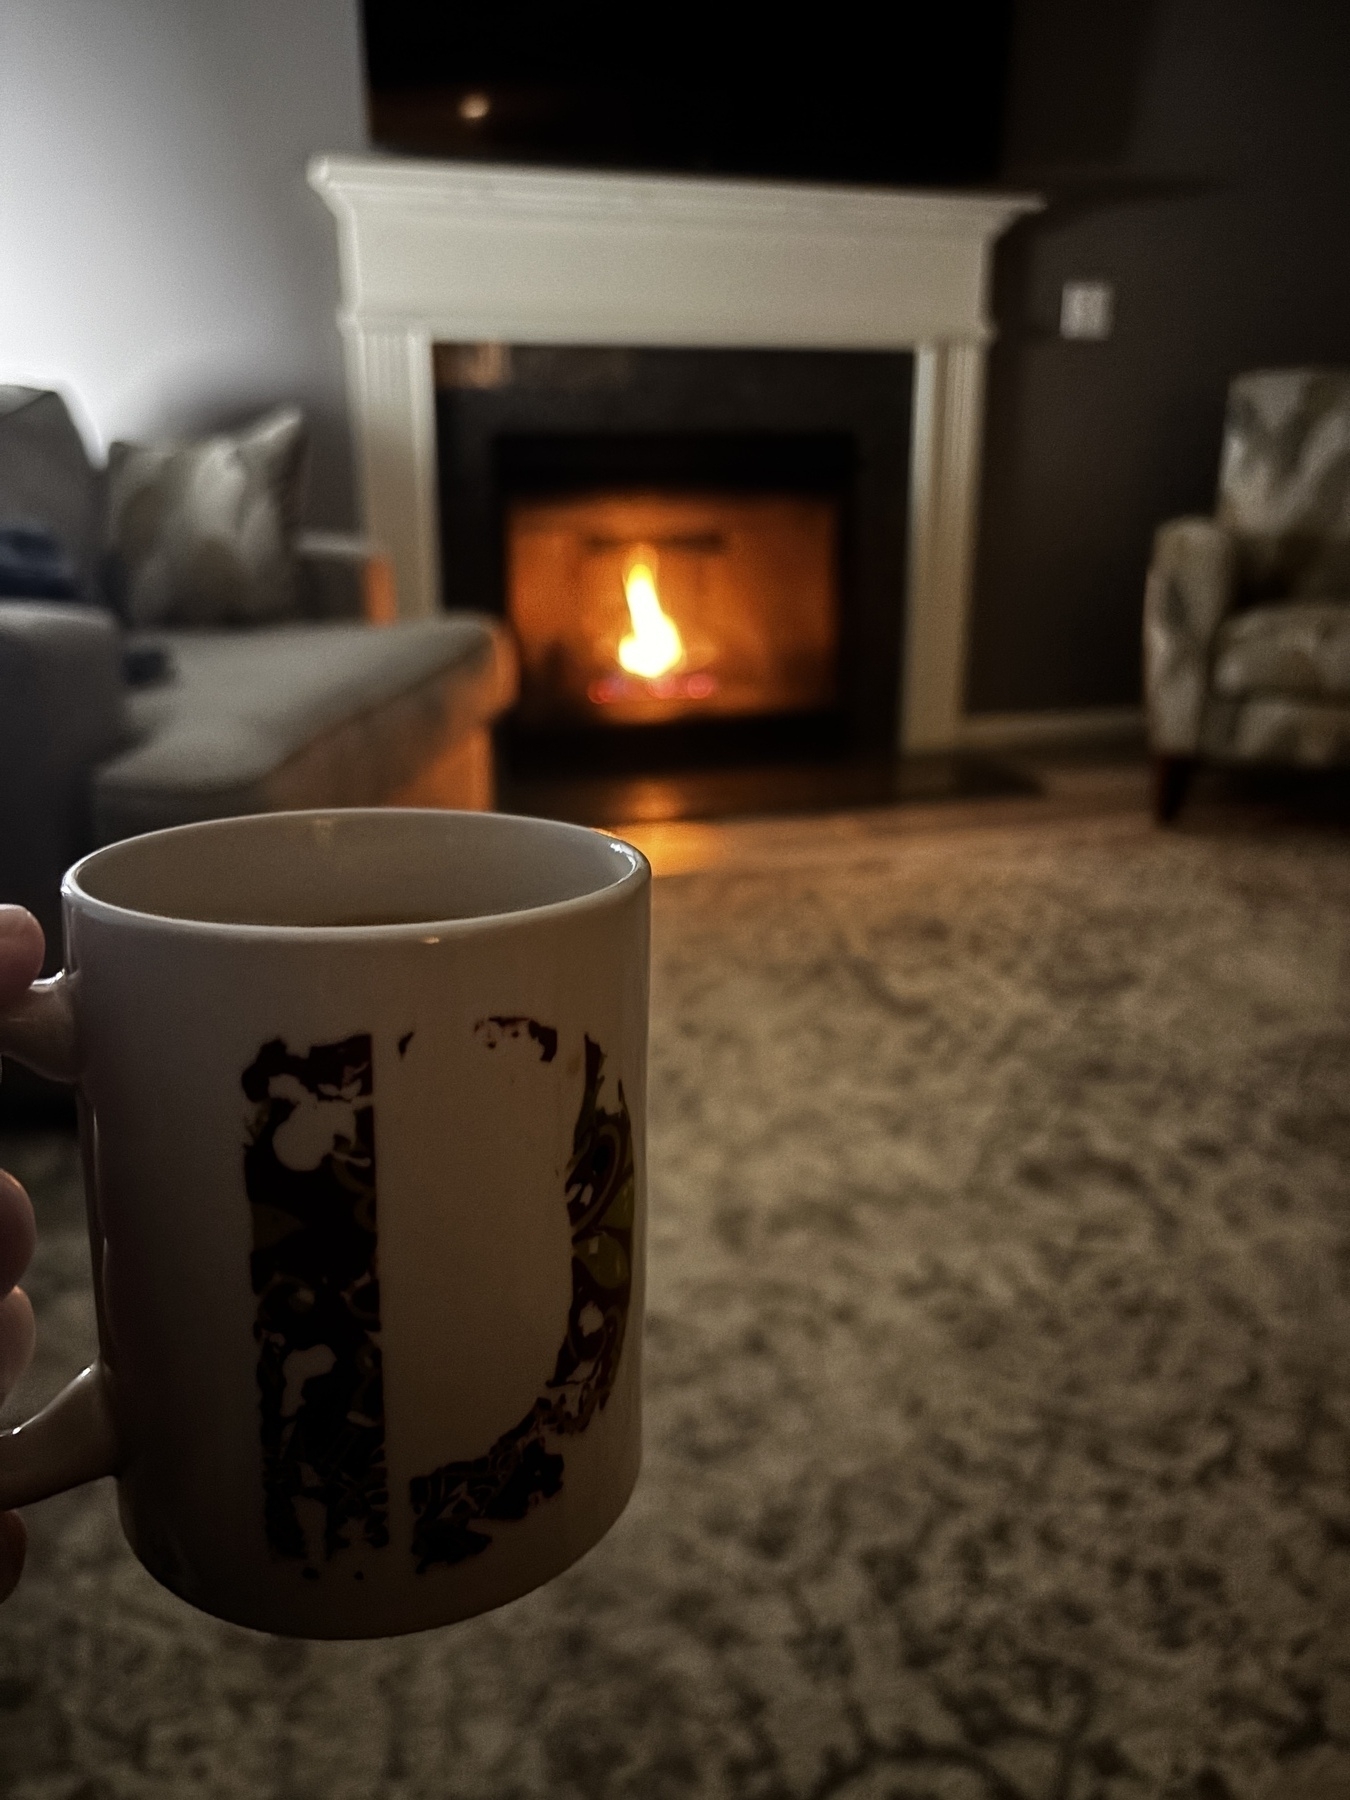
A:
x: 13, y: 1543
x: 22, y: 948
x: 18, y: 1231
x: 17, y: 1336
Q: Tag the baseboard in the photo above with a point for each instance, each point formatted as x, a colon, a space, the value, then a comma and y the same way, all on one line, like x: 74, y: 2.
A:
x: 1050, y: 730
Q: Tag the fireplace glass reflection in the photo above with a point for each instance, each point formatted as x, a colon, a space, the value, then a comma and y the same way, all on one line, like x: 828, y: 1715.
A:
x: 651, y: 608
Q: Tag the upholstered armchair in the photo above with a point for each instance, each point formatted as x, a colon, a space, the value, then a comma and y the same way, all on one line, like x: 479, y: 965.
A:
x: 1247, y: 613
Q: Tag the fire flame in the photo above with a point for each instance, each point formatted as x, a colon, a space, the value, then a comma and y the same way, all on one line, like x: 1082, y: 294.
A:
x: 654, y: 646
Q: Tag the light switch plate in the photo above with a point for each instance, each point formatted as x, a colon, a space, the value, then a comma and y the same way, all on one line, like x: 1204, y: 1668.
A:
x: 1087, y: 309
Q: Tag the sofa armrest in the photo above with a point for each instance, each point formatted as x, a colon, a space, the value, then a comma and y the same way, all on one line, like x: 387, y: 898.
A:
x: 1190, y: 587
x: 61, y: 713
x: 344, y: 575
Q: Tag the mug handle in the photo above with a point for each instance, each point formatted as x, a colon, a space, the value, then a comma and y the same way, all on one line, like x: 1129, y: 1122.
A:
x: 74, y: 1439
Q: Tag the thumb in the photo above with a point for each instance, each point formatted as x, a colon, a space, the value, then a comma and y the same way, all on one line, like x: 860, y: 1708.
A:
x: 21, y: 951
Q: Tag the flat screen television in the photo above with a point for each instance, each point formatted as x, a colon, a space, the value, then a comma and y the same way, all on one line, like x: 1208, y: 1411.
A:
x: 899, y: 95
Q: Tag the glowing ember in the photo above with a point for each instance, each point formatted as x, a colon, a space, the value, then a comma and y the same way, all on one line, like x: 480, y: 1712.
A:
x: 611, y: 688
x: 654, y: 646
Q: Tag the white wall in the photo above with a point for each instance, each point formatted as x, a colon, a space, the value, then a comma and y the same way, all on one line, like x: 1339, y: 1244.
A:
x: 161, y: 259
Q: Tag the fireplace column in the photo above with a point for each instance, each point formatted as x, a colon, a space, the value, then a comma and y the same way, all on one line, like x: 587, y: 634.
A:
x: 943, y: 502
x: 394, y: 422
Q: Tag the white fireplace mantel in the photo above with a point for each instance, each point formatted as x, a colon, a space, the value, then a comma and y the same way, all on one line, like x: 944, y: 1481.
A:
x: 467, y: 253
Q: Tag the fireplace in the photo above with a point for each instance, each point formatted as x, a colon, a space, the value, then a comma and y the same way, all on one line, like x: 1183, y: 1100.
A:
x: 702, y: 552
x: 444, y: 253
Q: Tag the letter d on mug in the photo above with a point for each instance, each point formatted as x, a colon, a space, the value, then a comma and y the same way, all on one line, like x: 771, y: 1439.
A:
x: 362, y: 1098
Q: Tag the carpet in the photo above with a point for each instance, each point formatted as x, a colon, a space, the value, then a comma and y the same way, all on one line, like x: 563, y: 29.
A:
x: 998, y: 1438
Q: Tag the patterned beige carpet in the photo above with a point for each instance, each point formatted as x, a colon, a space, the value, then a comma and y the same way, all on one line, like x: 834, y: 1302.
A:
x: 999, y: 1404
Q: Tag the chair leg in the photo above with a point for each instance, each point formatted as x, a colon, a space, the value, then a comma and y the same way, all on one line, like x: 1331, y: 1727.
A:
x: 1171, y: 780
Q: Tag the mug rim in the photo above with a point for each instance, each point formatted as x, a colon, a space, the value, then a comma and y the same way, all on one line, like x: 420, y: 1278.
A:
x: 637, y: 875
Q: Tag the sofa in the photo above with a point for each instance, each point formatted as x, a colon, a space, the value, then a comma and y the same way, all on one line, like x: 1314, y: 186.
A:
x: 124, y: 706
x: 1247, y: 612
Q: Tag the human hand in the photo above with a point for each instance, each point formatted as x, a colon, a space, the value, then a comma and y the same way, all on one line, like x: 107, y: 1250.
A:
x: 21, y: 953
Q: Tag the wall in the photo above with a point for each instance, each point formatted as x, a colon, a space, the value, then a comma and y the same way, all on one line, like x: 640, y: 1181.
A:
x: 1198, y: 156
x: 164, y: 262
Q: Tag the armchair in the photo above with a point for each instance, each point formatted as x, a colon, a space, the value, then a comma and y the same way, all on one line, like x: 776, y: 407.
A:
x: 1247, y: 613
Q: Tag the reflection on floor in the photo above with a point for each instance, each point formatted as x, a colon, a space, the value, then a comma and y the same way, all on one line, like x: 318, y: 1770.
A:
x: 760, y: 789
x: 789, y: 820
x: 1038, y: 793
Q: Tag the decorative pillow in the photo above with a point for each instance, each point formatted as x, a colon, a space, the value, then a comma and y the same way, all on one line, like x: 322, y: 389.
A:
x: 201, y: 535
x: 33, y: 566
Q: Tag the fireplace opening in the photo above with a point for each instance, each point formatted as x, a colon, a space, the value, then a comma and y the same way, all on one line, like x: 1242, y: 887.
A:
x: 701, y: 552
x: 648, y: 608
x: 677, y: 597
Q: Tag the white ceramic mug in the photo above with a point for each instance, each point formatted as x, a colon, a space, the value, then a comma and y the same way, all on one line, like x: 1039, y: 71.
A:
x: 362, y: 1099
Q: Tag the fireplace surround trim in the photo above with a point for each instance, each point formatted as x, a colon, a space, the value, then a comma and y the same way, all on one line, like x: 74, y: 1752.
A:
x: 435, y: 252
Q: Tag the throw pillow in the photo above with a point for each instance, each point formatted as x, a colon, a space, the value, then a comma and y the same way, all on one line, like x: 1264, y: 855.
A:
x: 201, y: 535
x: 33, y: 566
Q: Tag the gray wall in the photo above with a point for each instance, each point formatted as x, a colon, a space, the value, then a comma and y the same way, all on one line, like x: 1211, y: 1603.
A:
x: 161, y: 258
x: 1198, y: 156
